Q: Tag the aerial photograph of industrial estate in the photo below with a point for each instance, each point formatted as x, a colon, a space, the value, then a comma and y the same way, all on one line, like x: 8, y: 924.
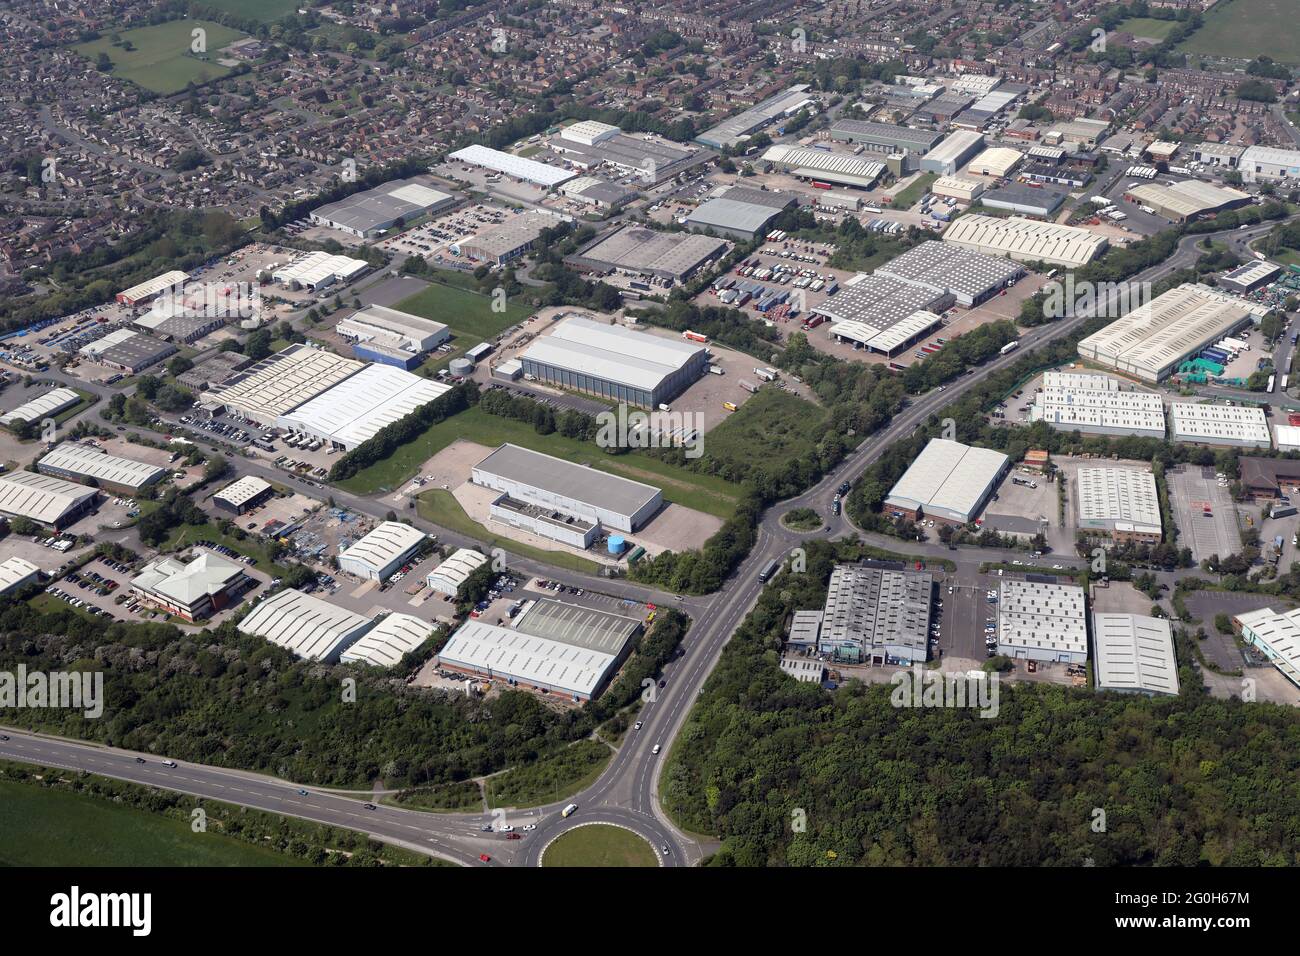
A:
x: 478, y: 434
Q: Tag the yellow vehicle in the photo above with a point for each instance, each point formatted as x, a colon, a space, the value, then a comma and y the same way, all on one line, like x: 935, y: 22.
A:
x: 729, y: 406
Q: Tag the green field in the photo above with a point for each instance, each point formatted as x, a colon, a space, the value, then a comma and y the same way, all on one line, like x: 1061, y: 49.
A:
x: 267, y: 11
x: 442, y: 508
x: 705, y: 493
x: 161, y: 60
x: 46, y: 827
x: 550, y: 779
x: 771, y: 427
x: 1147, y: 28
x: 188, y: 534
x: 465, y: 311
x: 1247, y: 29
x: 600, y: 845
x: 909, y: 196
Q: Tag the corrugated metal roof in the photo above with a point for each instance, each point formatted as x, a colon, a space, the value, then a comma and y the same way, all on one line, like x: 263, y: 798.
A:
x: 304, y: 625
x: 89, y: 462
x: 1134, y: 652
x: 388, y: 541
x: 42, y: 498
x: 388, y: 641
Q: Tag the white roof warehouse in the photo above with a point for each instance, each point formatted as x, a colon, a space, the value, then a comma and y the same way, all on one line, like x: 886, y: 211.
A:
x: 613, y: 362
x: 83, y: 463
x: 44, y: 499
x: 389, y: 641
x: 304, y: 625
x: 551, y: 647
x: 382, y: 551
x: 1135, y: 654
x: 1151, y: 340
x: 948, y: 481
x: 578, y: 490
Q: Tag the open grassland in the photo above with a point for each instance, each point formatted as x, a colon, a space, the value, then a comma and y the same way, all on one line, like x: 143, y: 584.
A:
x: 1248, y: 28
x: 1147, y: 27
x: 267, y: 11
x: 159, y: 58
x: 44, y: 827
x: 772, y: 427
x: 466, y: 312
x: 705, y: 493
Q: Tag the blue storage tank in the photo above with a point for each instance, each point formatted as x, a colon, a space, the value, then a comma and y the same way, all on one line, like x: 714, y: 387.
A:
x: 616, y: 544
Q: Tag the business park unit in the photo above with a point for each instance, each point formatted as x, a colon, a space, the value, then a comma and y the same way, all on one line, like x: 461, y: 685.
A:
x: 304, y: 625
x: 392, y: 337
x: 997, y: 161
x: 1025, y: 200
x: 1266, y: 164
x: 552, y: 647
x: 738, y: 128
x: 876, y: 614
x: 388, y: 642
x: 319, y: 270
x: 172, y: 281
x: 1275, y: 634
x: 1152, y: 340
x: 510, y: 240
x: 1235, y: 425
x: 243, y: 494
x: 16, y: 573
x: 281, y: 382
x: 953, y: 187
x: 843, y: 169
x: 948, y: 482
x: 1096, y: 405
x: 1134, y: 654
x: 448, y: 577
x: 1249, y: 276
x: 1043, y: 622
x: 1188, y: 199
x: 381, y: 552
x: 613, y: 362
x: 374, y: 211
x: 899, y: 303
x: 88, y: 465
x: 128, y: 351
x: 200, y: 588
x: 516, y: 167
x: 1026, y: 240
x: 47, y: 500
x: 1119, y: 503
x: 575, y: 490
x: 953, y: 153
x: 358, y: 407
x: 53, y: 402
x: 885, y: 137
x: 740, y: 212
x: 651, y: 159
x: 637, y: 251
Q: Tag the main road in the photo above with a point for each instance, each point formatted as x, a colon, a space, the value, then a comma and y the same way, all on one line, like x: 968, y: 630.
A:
x: 627, y: 793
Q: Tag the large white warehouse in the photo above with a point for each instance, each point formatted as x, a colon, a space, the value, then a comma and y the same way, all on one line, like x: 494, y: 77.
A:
x: 382, y: 551
x: 948, y: 482
x: 613, y: 362
x: 304, y: 625
x: 1026, y: 240
x: 1152, y: 340
x: 552, y: 647
x: 358, y: 407
x: 617, y: 503
x: 1043, y: 622
x: 1135, y: 654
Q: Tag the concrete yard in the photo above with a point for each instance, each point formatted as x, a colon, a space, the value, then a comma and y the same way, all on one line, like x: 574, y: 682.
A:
x: 1190, y: 488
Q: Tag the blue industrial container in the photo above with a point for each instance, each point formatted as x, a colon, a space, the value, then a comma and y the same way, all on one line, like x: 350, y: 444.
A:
x: 616, y: 544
